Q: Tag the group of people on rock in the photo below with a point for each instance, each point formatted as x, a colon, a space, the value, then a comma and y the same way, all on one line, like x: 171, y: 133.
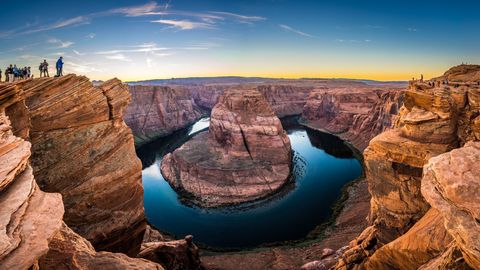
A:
x: 43, y: 68
x: 13, y: 73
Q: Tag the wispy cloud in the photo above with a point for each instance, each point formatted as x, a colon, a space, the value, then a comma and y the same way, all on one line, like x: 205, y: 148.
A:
x: 412, y: 29
x: 78, y: 53
x: 136, y: 11
x: 76, y: 21
x: 118, y: 57
x: 292, y: 30
x: 240, y: 18
x: 143, y: 48
x: 91, y: 36
x: 185, y: 24
x: 353, y: 40
x: 60, y: 44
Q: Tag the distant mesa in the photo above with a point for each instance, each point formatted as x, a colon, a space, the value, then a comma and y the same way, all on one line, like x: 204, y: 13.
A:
x: 245, y: 155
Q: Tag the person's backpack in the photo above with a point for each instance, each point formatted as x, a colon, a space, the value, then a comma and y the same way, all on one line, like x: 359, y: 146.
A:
x: 40, y: 67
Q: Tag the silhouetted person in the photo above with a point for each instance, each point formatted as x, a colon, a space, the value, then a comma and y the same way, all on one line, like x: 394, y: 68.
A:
x: 421, y: 78
x: 59, y: 66
x: 10, y: 73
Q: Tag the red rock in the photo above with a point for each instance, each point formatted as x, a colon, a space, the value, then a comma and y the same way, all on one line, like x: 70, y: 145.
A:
x: 69, y: 251
x: 83, y: 150
x: 158, y: 111
x: 245, y: 155
x: 354, y: 114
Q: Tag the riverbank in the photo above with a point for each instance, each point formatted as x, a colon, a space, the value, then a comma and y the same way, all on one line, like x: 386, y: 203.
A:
x: 350, y: 221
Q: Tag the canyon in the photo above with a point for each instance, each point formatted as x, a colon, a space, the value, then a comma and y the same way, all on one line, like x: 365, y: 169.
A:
x: 245, y: 156
x: 72, y: 197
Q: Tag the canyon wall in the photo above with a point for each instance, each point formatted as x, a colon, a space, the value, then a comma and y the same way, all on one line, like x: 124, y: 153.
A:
x: 423, y: 207
x: 34, y: 235
x: 82, y: 149
x: 29, y: 217
x: 355, y: 114
x: 158, y: 111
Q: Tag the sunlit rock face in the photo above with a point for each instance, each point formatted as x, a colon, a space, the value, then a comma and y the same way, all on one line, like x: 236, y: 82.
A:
x: 422, y: 209
x: 356, y: 114
x: 245, y: 155
x: 158, y: 111
x: 29, y: 217
x: 82, y: 149
x: 451, y: 185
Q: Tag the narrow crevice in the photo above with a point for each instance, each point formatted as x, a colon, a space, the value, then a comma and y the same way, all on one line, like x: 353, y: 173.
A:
x: 245, y: 143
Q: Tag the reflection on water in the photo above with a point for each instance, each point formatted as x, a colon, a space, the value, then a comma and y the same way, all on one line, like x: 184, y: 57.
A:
x: 322, y: 166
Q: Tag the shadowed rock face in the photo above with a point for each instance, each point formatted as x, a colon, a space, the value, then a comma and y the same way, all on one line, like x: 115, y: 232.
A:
x: 405, y: 232
x: 83, y: 150
x: 246, y: 154
x: 157, y: 111
x: 355, y: 114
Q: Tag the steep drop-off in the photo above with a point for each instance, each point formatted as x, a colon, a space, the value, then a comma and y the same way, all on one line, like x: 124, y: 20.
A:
x: 83, y: 150
x: 246, y: 154
x: 157, y: 111
x: 355, y: 114
x: 419, y: 215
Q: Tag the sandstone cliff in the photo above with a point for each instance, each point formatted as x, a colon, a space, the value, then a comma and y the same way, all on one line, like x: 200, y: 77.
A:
x: 83, y: 150
x: 31, y: 220
x: 157, y: 111
x: 405, y: 231
x: 245, y: 155
x: 286, y: 100
x: 355, y: 114
x: 28, y: 217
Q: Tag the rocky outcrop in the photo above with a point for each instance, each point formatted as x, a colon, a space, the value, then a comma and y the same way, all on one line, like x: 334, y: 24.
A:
x: 451, y: 185
x: 70, y: 251
x: 286, y: 100
x: 157, y: 111
x: 435, y: 118
x: 173, y: 255
x: 246, y: 154
x: 83, y: 150
x: 355, y: 114
x: 28, y: 216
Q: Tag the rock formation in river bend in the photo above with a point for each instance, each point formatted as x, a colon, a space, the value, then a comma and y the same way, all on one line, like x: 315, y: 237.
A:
x: 246, y: 154
x: 158, y: 111
x: 355, y: 114
x: 82, y: 149
x: 430, y: 219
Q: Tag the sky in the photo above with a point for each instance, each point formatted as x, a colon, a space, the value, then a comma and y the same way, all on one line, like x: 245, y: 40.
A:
x: 138, y: 40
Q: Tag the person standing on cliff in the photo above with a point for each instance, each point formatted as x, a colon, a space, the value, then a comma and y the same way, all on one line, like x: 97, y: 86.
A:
x: 44, y: 69
x: 59, y: 66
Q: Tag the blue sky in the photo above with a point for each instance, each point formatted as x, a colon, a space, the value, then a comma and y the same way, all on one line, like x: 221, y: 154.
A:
x: 133, y: 40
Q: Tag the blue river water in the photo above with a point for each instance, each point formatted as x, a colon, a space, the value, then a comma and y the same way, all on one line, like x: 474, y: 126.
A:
x: 323, y: 164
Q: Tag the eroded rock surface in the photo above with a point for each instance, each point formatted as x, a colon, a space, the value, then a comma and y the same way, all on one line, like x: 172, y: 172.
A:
x: 451, y: 185
x: 157, y: 111
x: 356, y: 114
x: 83, y: 150
x: 437, y: 116
x: 246, y: 154
x: 70, y: 251
x: 28, y: 216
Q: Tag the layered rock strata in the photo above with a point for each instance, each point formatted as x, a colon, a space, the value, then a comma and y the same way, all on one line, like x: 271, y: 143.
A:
x: 28, y: 217
x: 245, y: 156
x: 451, y: 186
x: 83, y: 150
x: 404, y: 232
x: 157, y: 111
x: 355, y: 114
x: 286, y: 100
